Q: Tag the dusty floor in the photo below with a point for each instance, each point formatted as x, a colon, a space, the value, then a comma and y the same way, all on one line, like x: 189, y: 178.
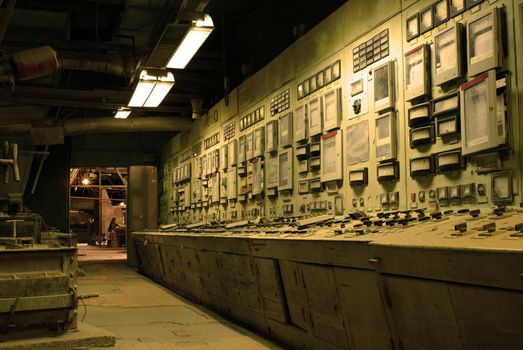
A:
x: 144, y: 315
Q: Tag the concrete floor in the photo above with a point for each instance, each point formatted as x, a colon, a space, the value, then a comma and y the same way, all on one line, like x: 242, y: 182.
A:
x: 144, y: 315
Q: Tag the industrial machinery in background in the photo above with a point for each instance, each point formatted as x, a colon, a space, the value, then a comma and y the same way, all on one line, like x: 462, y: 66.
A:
x: 38, y: 268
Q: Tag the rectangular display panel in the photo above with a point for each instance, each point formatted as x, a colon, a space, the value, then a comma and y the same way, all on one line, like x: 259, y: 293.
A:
x: 448, y: 104
x: 358, y: 177
x: 315, y: 117
x: 412, y: 27
x: 384, y: 87
x: 285, y: 167
x: 214, y: 187
x: 205, y: 172
x: 449, y: 161
x: 358, y: 143
x: 502, y: 192
x: 479, y: 118
x: 421, y: 166
x: 332, y: 109
x: 447, y: 60
x: 386, y: 137
x: 484, y: 49
x: 441, y: 12
x: 421, y: 136
x: 258, y: 178
x: 232, y: 153
x: 300, y: 124
x: 387, y: 171
x: 271, y: 139
x: 303, y: 166
x: 332, y: 165
x: 416, y: 73
x: 258, y: 142
x: 249, y: 144
x: 419, y: 115
x: 447, y: 126
x: 426, y: 20
x: 303, y: 187
x: 241, y: 149
x: 272, y: 171
x: 456, y: 7
x: 285, y: 128
x: 224, y: 162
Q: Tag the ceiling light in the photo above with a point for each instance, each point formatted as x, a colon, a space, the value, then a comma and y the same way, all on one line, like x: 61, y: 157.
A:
x: 191, y: 42
x: 152, y: 88
x: 122, y: 113
x: 85, y: 181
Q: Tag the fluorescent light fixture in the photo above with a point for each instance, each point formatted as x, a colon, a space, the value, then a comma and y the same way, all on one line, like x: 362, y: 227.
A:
x: 122, y: 113
x: 191, y: 42
x: 152, y: 88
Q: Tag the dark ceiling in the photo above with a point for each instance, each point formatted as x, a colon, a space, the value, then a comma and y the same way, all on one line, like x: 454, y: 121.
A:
x: 101, y: 42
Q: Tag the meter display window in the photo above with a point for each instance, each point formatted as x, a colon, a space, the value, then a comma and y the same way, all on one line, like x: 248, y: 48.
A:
x: 426, y: 20
x: 383, y: 87
x: 385, y: 137
x: 441, y: 12
x: 447, y: 59
x: 285, y: 170
x: 358, y: 143
x: 413, y: 27
x: 479, y: 117
x: 272, y: 171
x: 286, y: 130
x: 484, y: 43
x: 300, y: 117
x: 332, y: 109
x: 416, y: 73
x: 331, y: 167
x: 315, y: 127
x: 456, y: 7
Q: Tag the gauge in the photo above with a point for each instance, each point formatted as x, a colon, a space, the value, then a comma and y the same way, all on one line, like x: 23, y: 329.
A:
x: 441, y: 12
x: 354, y: 202
x: 426, y: 20
x: 432, y: 194
x: 481, y: 190
x: 362, y: 202
x: 456, y: 7
x: 413, y: 27
x: 421, y: 196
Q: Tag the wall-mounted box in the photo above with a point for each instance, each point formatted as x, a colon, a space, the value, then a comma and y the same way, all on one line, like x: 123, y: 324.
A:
x: 449, y: 161
x: 285, y: 170
x: 484, y: 42
x: 271, y: 163
x: 422, y: 136
x: 242, y: 141
x: 388, y: 171
x: 332, y: 161
x: 224, y: 160
x: 232, y: 153
x: 271, y: 138
x: 384, y: 83
x: 258, y: 178
x: 359, y: 177
x: 386, y: 136
x: 417, y: 73
x: 482, y: 114
x: 286, y: 131
x: 419, y: 115
x: 300, y: 124
x: 315, y: 117
x: 332, y: 111
x: 422, y: 166
x: 448, y: 62
x: 249, y: 144
x: 232, y: 187
x: 258, y: 142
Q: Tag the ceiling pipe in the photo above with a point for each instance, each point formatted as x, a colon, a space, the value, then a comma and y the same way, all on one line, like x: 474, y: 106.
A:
x: 107, y: 125
x: 101, y: 63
